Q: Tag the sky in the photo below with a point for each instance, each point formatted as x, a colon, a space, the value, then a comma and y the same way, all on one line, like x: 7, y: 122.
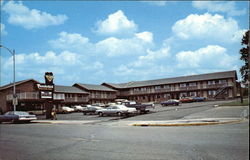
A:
x: 93, y: 42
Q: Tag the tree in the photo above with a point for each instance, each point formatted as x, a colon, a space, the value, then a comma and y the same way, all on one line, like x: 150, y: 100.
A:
x: 244, y: 70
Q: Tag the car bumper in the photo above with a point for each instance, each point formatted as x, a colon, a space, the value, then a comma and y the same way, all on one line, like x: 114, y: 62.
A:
x: 27, y: 118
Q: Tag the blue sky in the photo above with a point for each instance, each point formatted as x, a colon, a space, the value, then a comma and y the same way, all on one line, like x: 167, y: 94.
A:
x: 117, y: 41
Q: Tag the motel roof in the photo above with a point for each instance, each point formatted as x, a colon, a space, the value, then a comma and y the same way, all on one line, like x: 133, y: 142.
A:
x: 17, y: 83
x: 93, y: 87
x: 182, y: 79
x: 68, y: 89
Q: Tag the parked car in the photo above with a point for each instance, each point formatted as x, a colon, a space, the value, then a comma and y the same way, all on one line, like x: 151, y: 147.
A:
x: 98, y: 104
x: 66, y: 109
x: 141, y: 108
x: 90, y: 109
x: 170, y: 102
x: 116, y: 110
x: 37, y: 112
x: 186, y: 100
x: 199, y: 99
x: 78, y: 108
x: 17, y: 116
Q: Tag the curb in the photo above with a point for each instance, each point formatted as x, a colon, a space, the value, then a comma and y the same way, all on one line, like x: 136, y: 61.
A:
x: 186, y: 124
x: 61, y: 122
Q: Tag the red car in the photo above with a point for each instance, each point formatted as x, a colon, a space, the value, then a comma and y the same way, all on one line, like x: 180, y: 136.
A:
x: 186, y: 100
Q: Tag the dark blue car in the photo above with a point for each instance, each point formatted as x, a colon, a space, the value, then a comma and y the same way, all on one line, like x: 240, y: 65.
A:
x: 199, y: 99
x: 170, y: 102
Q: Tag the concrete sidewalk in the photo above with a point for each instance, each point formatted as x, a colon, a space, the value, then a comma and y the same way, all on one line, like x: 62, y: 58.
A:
x: 189, y: 122
x: 64, y: 121
x: 182, y: 122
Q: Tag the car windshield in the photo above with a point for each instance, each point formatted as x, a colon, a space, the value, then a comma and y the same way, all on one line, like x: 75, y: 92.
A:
x: 21, y: 113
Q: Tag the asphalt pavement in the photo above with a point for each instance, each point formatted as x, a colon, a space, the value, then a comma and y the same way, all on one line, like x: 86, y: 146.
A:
x: 75, y: 136
x: 200, y: 113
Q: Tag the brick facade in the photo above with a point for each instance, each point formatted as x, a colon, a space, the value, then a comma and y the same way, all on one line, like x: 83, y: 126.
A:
x: 220, y: 85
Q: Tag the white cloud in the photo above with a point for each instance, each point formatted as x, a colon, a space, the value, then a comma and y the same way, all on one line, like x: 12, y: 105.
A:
x: 33, y: 65
x: 50, y: 58
x: 237, y: 36
x: 212, y: 56
x: 116, y: 24
x: 154, y: 64
x: 146, y: 36
x: 116, y: 47
x: 213, y: 6
x: 151, y: 57
x: 110, y: 46
x: 21, y: 15
x: 207, y: 26
x: 123, y: 70
x: 3, y: 31
x: 129, y: 72
x: 69, y: 41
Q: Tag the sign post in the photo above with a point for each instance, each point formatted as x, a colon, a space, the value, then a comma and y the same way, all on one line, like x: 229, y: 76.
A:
x: 15, y: 101
x: 46, y: 91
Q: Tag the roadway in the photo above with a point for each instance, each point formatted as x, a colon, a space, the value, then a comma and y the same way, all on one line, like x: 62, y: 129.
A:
x: 111, y: 138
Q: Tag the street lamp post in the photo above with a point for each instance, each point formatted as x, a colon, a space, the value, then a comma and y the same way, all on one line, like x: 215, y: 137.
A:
x: 14, y: 76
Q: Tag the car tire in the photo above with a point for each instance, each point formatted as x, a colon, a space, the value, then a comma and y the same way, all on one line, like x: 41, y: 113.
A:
x: 100, y: 114
x: 119, y: 114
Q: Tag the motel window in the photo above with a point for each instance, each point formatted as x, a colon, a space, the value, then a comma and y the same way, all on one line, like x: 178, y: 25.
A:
x: 136, y: 89
x: 193, y: 84
x: 167, y: 86
x: 167, y: 96
x: 223, y: 81
x: 157, y: 87
x: 183, y: 94
x: 211, y: 92
x: 183, y: 85
x: 211, y: 82
x: 193, y: 94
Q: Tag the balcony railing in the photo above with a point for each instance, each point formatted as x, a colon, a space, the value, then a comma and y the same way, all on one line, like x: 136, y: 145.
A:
x: 24, y: 95
x: 172, y: 89
x: 188, y: 88
x: 98, y: 96
x: 35, y: 96
x: 76, y: 99
x: 217, y: 85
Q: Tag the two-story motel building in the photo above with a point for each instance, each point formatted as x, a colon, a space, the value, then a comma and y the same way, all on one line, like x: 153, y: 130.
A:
x: 219, y: 85
x: 212, y: 86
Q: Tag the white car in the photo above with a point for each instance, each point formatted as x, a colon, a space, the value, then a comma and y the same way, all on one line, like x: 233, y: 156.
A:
x: 17, y: 116
x: 78, y: 108
x: 66, y: 109
x: 116, y: 110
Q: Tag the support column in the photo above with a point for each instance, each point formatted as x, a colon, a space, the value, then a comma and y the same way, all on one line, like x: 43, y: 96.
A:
x: 48, y: 107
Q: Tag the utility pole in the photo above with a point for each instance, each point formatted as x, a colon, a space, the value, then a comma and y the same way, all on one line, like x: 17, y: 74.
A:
x: 14, y: 99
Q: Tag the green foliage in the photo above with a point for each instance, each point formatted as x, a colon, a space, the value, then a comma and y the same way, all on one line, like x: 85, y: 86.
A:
x: 244, y: 70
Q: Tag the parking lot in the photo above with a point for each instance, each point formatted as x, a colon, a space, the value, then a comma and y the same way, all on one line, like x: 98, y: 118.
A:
x: 157, y: 113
